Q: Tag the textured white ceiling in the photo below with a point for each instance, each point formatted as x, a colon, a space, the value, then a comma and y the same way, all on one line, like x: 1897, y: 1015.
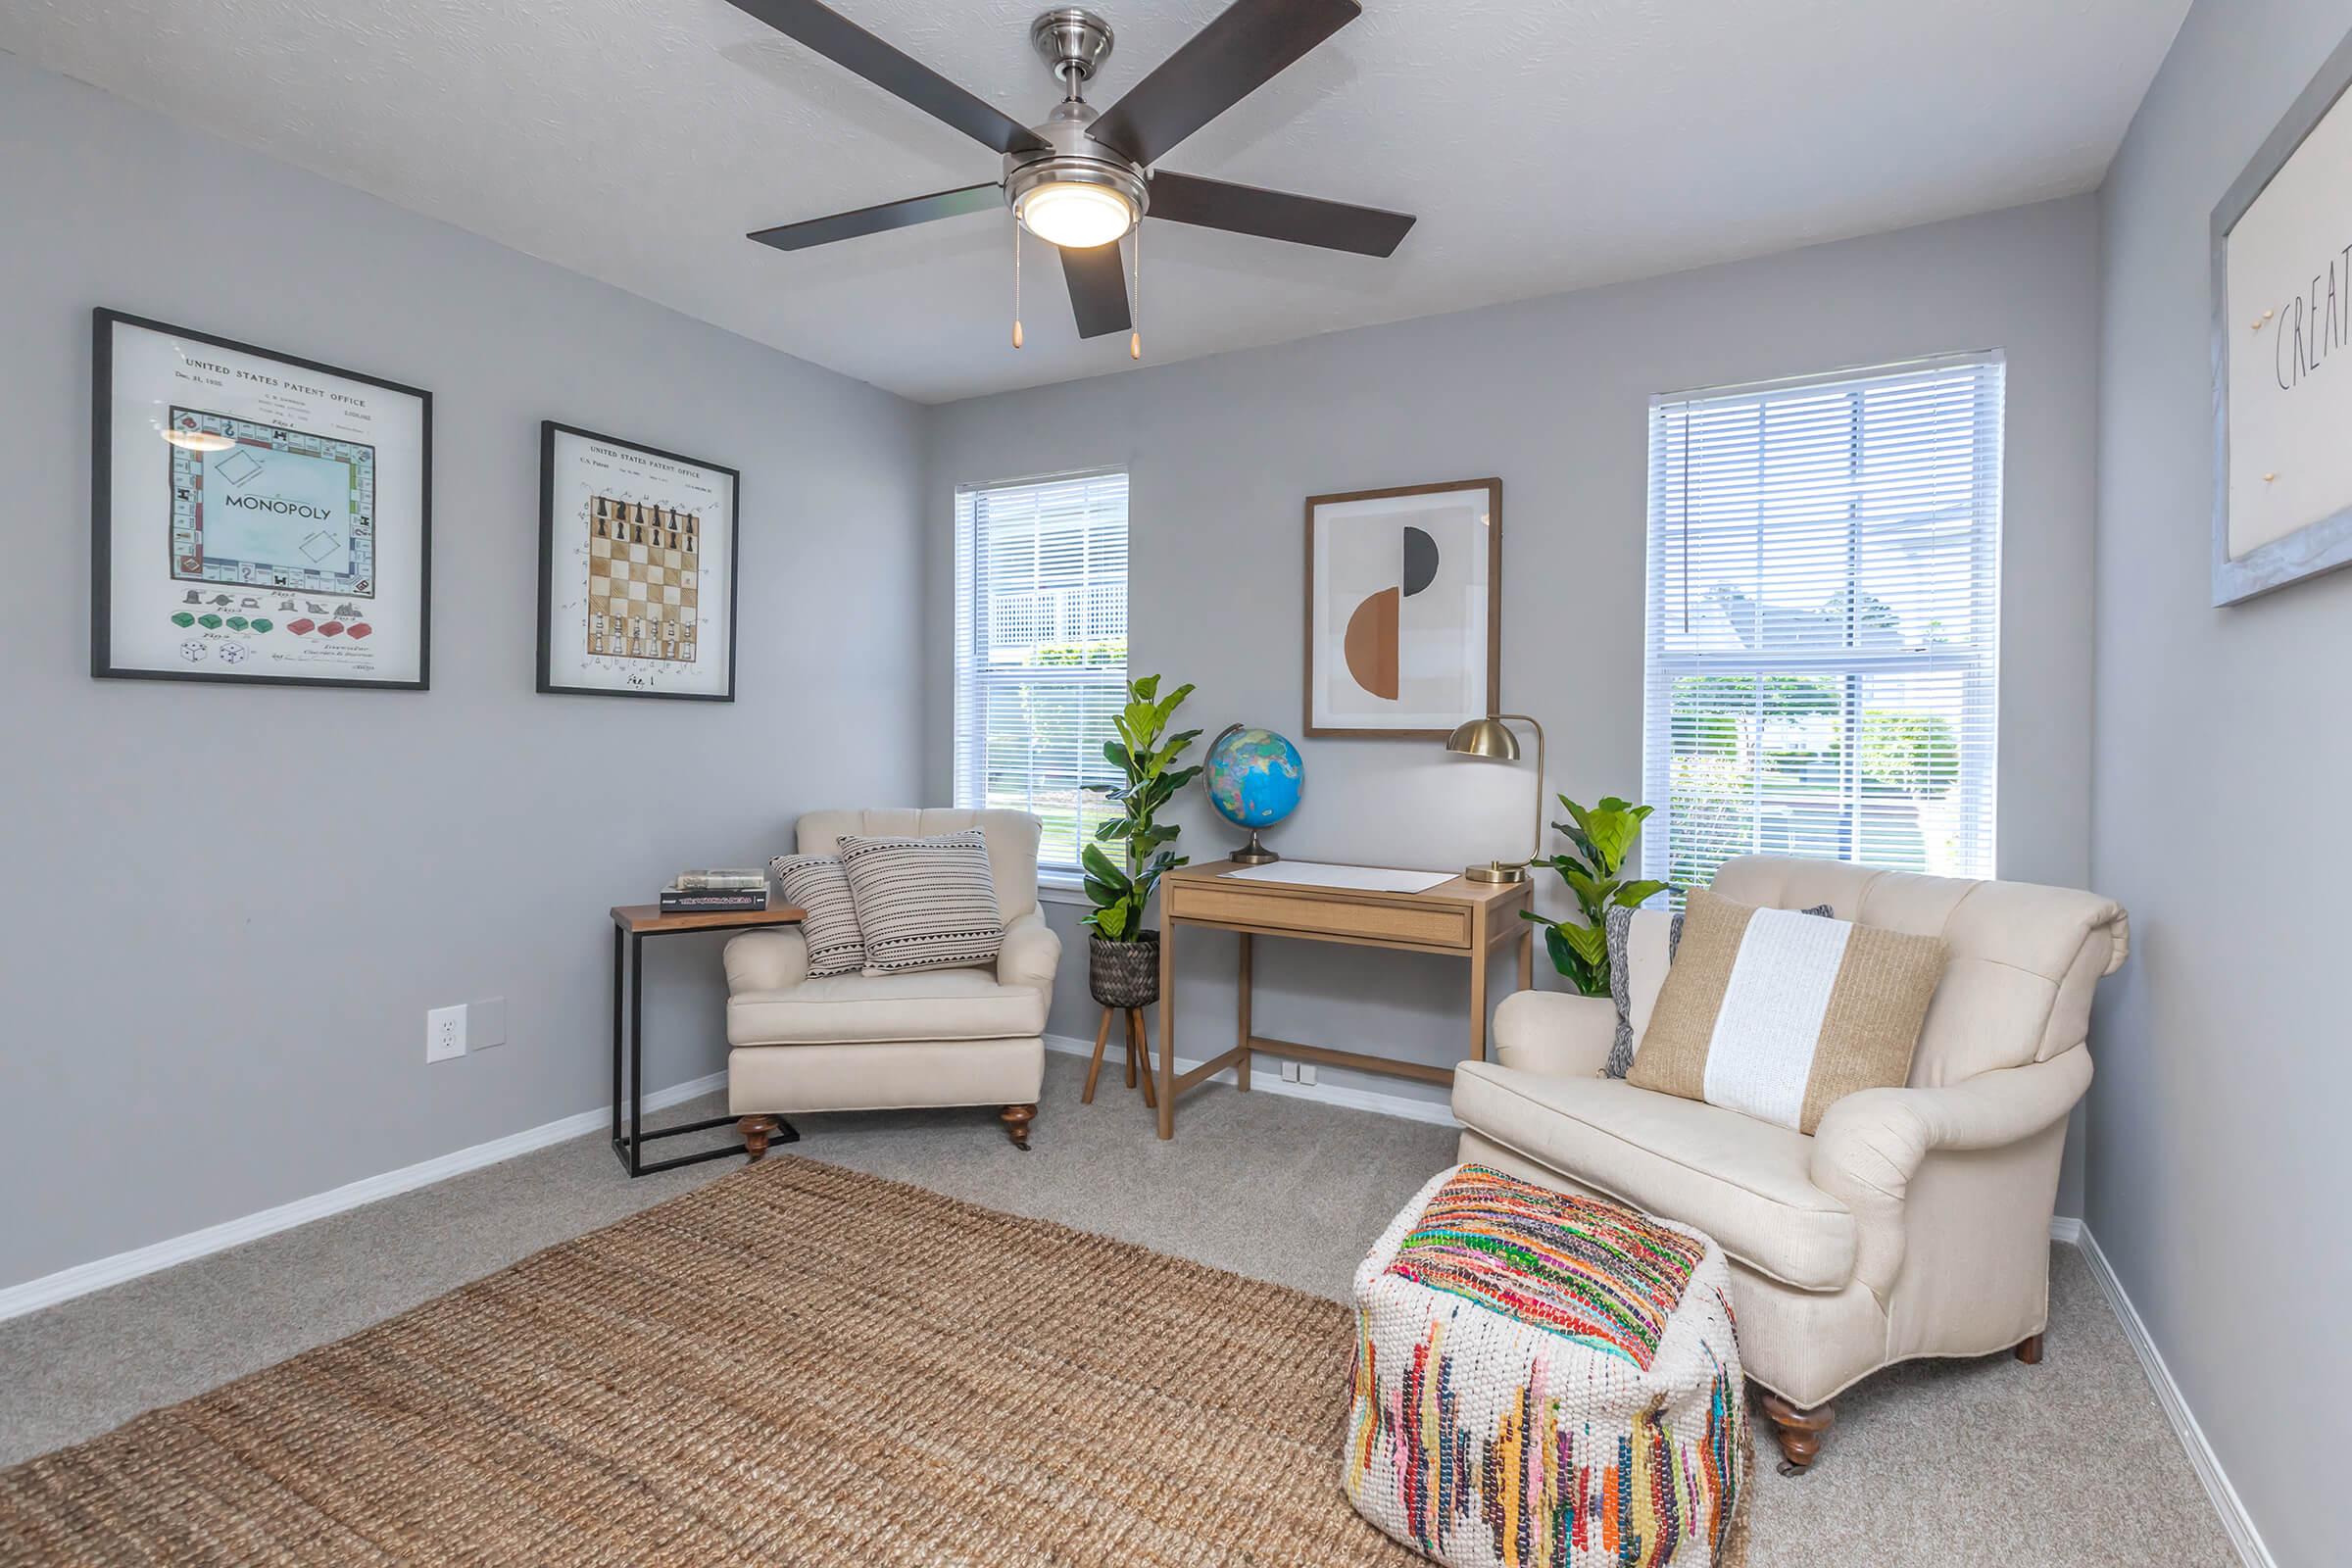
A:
x: 1546, y: 144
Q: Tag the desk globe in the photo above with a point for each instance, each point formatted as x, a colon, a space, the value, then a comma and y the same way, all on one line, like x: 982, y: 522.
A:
x: 1253, y: 778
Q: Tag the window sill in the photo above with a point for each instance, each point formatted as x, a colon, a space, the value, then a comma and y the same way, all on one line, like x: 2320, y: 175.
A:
x: 1052, y: 889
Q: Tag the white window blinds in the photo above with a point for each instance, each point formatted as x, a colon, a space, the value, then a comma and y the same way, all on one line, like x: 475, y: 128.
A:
x: 1041, y: 649
x: 1824, y: 621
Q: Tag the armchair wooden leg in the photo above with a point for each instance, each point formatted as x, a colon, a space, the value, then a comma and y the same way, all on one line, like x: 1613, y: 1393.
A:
x: 1016, y: 1120
x: 1094, y: 1068
x: 2029, y: 1350
x: 1800, y: 1431
x: 756, y: 1130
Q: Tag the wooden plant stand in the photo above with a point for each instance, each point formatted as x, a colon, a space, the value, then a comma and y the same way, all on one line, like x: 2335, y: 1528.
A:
x: 1139, y: 1050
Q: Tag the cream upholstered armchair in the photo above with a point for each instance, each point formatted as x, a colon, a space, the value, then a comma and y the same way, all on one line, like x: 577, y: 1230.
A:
x: 868, y: 1041
x: 1914, y: 1221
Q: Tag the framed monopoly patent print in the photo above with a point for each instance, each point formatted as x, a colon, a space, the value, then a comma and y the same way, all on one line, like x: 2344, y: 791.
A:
x: 637, y: 551
x: 2282, y: 351
x: 255, y: 517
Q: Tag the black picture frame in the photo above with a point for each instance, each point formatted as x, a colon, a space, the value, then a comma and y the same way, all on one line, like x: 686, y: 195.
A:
x: 102, y: 321
x: 549, y: 430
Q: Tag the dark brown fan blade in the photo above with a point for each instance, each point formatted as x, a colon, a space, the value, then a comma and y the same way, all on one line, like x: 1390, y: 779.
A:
x: 874, y: 219
x: 847, y: 44
x: 1277, y: 214
x: 1098, y: 280
x: 1248, y: 45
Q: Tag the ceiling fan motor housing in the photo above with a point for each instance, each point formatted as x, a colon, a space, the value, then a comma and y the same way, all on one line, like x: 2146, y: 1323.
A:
x: 1074, y: 158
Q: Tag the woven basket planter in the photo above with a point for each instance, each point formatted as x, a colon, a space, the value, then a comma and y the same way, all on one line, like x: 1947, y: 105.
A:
x: 1124, y: 974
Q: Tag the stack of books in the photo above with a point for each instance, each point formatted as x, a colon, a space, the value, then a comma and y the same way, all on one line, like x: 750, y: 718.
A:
x: 716, y: 892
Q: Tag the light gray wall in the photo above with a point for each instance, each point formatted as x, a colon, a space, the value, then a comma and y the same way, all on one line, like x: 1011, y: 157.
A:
x: 227, y: 909
x: 2218, y: 1154
x: 1552, y: 396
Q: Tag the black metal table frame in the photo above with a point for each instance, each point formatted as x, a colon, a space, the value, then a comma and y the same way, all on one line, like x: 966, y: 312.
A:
x: 628, y: 1145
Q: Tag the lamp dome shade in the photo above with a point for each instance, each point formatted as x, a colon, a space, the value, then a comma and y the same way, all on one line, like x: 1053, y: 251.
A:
x: 1485, y: 737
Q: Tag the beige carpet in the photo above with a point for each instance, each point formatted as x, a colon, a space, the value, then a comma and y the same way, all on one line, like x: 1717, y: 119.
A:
x: 795, y: 1364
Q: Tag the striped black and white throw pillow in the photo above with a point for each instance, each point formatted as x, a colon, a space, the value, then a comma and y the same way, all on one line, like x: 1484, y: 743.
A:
x: 818, y: 884
x: 924, y: 903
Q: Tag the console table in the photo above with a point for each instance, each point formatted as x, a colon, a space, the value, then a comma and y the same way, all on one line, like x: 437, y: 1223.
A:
x: 1458, y: 918
x: 632, y: 923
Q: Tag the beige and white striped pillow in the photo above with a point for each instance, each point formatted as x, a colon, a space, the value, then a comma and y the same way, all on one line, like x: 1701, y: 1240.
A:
x: 924, y: 903
x: 819, y: 885
x: 1781, y: 1015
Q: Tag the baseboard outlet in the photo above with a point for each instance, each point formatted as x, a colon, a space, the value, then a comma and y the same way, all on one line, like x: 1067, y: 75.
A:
x: 2066, y: 1228
x: 2236, y: 1521
x: 1434, y: 1111
x: 83, y: 1278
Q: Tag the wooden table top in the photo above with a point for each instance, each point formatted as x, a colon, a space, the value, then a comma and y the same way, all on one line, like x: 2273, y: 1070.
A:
x: 1454, y: 889
x: 639, y: 920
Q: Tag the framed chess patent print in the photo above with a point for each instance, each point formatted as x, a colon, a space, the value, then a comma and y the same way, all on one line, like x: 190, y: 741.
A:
x: 637, y: 556
x: 255, y: 517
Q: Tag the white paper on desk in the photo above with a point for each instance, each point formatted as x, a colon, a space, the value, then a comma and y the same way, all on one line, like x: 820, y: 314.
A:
x: 1366, y: 878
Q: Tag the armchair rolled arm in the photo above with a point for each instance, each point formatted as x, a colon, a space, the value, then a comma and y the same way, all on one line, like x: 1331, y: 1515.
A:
x: 773, y: 960
x: 1030, y: 954
x: 1556, y: 1033
x: 1869, y: 1145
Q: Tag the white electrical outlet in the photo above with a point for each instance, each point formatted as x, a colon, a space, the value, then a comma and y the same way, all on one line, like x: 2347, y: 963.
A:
x: 445, y: 1033
x: 1289, y: 1073
x: 1306, y: 1072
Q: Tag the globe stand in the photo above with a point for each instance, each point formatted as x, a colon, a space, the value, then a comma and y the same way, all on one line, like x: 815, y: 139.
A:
x: 1255, y: 853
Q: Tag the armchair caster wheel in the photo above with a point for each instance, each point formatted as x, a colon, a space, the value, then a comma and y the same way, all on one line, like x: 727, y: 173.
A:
x: 1800, y: 1431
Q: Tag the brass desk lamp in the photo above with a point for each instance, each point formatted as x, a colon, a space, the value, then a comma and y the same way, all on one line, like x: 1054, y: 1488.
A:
x: 1490, y: 737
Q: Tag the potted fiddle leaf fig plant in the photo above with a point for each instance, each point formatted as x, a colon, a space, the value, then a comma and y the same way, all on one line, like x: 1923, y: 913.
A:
x: 1600, y: 839
x: 1130, y: 853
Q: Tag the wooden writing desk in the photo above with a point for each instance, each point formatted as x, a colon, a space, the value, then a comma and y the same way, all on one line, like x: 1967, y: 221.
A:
x: 1457, y: 918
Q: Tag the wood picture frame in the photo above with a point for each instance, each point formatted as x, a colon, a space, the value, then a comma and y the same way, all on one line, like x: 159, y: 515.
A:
x: 592, y: 488
x: 1369, y: 671
x: 278, y: 533
x: 2281, y: 349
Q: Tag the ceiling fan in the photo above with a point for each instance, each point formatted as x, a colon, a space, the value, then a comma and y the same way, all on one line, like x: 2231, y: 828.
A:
x: 1081, y: 180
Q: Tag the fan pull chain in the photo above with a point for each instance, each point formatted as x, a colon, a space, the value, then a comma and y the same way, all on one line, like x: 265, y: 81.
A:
x: 1016, y: 282
x: 1135, y: 337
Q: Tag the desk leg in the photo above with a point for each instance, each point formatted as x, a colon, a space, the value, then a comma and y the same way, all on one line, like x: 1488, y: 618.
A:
x: 1480, y: 955
x: 1167, y: 1029
x: 1526, y: 956
x: 1241, y: 1065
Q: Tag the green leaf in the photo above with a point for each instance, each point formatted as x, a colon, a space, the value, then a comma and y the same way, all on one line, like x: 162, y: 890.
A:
x: 1633, y: 895
x: 1118, y: 757
x: 1145, y: 686
x: 1590, y: 942
x: 1099, y: 865
x: 1116, y: 828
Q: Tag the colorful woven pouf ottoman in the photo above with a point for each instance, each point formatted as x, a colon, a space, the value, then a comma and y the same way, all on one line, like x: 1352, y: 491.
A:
x: 1550, y: 1380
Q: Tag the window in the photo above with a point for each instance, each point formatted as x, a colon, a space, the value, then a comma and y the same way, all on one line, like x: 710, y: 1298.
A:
x: 1823, y: 620
x: 1041, y: 649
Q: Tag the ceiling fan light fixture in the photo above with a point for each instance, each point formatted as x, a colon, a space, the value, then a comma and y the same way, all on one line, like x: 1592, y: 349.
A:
x: 1075, y: 214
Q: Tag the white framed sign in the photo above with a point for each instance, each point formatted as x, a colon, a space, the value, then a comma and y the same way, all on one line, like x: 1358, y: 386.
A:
x: 2282, y: 351
x: 254, y: 517
x: 637, y: 569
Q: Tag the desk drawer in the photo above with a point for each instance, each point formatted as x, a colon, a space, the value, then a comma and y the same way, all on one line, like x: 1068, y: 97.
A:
x: 1430, y: 925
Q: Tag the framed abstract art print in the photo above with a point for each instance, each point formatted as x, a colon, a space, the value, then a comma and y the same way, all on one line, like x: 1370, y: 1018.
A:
x: 1403, y: 608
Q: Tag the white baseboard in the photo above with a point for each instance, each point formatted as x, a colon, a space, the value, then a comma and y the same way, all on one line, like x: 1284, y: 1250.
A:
x: 2236, y: 1521
x: 83, y: 1278
x: 1435, y: 1111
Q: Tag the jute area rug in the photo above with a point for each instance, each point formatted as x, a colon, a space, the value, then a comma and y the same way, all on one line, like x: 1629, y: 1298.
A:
x: 794, y: 1365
